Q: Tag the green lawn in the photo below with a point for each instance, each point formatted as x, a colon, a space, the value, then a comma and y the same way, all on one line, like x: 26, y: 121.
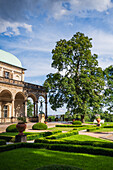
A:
x: 61, y: 128
x: 83, y: 138
x: 104, y: 130
x: 16, y: 133
x: 30, y: 158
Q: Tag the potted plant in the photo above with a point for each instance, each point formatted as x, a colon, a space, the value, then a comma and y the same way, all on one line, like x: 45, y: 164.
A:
x: 21, y: 126
x: 98, y: 119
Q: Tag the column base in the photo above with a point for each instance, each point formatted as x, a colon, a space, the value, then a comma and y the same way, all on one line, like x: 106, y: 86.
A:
x: 20, y: 138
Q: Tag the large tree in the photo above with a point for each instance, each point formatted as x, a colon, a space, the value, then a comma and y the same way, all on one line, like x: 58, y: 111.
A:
x: 108, y: 74
x: 78, y: 80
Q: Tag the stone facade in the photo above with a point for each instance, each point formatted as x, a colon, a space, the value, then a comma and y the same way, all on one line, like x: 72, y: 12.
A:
x: 14, y: 93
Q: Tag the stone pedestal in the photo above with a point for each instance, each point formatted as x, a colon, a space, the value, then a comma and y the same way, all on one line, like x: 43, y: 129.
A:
x: 20, y: 138
x: 41, y: 118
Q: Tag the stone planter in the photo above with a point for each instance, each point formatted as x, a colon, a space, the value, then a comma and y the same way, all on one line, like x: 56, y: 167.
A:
x: 98, y: 121
x: 21, y: 127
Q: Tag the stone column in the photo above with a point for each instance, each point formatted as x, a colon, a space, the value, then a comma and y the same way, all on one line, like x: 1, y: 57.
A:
x: 12, y: 109
x: 25, y: 108
x: 46, y: 109
x: 34, y: 110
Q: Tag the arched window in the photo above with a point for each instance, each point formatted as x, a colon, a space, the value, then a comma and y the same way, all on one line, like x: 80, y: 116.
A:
x: 5, y: 110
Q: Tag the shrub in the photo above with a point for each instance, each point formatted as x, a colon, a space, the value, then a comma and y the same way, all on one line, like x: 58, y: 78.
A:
x: 92, y: 129
x: 69, y: 125
x: 76, y: 122
x: 39, y: 126
x: 11, y: 128
x: 7, y: 138
x: 43, y: 134
x: 2, y: 142
x: 62, y: 135
x: 108, y: 126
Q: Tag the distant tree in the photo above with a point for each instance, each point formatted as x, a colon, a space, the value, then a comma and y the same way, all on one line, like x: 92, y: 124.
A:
x: 29, y: 108
x: 108, y: 74
x: 78, y: 81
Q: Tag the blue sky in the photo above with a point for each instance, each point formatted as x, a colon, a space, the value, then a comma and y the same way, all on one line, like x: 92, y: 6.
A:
x: 29, y: 29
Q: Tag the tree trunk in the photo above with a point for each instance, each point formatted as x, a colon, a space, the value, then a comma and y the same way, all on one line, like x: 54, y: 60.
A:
x: 82, y: 118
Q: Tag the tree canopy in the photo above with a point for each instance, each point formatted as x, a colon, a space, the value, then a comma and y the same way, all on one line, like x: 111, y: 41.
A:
x: 78, y: 81
x: 108, y: 74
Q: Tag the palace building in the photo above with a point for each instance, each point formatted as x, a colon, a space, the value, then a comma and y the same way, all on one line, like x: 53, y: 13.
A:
x: 14, y: 92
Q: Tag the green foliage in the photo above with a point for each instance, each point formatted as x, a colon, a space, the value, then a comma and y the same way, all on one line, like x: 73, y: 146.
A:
x: 51, y: 118
x: 39, y: 126
x: 104, y: 144
x: 107, y: 116
x: 7, y: 138
x: 11, y: 128
x: 69, y: 125
x: 76, y: 122
x: 21, y: 119
x: 2, y: 142
x: 58, y: 167
x: 29, y: 108
x: 80, y: 85
x: 62, y: 147
x: 61, y: 135
x: 92, y: 129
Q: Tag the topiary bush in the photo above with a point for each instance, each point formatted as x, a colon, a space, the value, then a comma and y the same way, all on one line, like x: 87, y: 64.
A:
x: 39, y: 126
x: 11, y: 128
x: 76, y: 122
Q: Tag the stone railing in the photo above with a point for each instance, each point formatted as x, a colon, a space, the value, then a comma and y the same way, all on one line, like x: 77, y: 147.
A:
x: 11, y: 81
x: 33, y: 86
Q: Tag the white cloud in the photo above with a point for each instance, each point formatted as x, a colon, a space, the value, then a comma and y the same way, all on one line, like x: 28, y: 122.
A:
x: 37, y: 66
x: 13, y: 27
x: 99, y: 5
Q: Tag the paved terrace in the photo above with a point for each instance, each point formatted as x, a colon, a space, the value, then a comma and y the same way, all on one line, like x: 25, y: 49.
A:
x: 104, y: 135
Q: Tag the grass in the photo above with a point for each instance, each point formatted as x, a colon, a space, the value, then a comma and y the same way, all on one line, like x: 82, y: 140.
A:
x: 30, y: 158
x: 16, y: 133
x: 104, y: 130
x: 61, y: 128
x: 83, y: 138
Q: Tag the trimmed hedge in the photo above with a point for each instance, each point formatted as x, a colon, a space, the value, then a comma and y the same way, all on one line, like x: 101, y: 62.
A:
x: 108, y: 126
x: 43, y: 134
x: 7, y: 138
x: 11, y: 128
x: 91, y: 143
x: 69, y: 125
x: 92, y: 129
x: 39, y: 126
x: 2, y: 142
x: 76, y: 122
x: 58, y: 167
x: 61, y: 135
x: 61, y: 147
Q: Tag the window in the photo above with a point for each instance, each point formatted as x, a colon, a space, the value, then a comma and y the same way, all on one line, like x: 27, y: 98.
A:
x: 5, y: 110
x: 7, y: 75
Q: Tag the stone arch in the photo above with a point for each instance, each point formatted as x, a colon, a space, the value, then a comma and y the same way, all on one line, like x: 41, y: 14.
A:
x: 6, y: 102
x: 34, y: 98
x: 19, y: 104
x: 6, y: 95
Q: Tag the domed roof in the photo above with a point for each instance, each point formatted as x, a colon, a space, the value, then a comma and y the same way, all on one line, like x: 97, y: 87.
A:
x: 9, y: 59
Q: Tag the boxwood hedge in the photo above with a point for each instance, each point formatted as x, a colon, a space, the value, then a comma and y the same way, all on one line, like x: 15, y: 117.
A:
x: 39, y: 126
x: 11, y: 128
